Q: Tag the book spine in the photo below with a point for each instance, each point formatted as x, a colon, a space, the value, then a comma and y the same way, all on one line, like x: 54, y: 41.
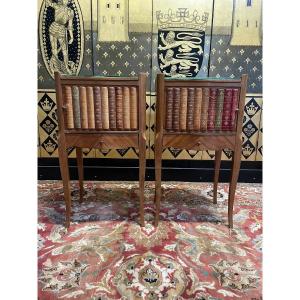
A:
x: 126, y: 108
x: 197, y: 110
x: 76, y: 106
x: 112, y: 108
x: 227, y: 105
x: 219, y: 109
x: 69, y: 119
x: 176, y: 106
x: 234, y: 107
x: 119, y: 107
x: 190, y: 109
x: 104, y: 107
x: 169, y: 108
x: 97, y: 107
x: 204, y: 109
x: 83, y: 108
x: 133, y: 108
x: 211, y: 119
x: 90, y: 107
x: 183, y: 109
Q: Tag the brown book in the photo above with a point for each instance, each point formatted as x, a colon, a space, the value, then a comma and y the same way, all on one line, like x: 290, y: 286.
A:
x: 90, y: 107
x: 211, y: 113
x: 183, y: 109
x: 126, y: 108
x: 190, y: 109
x: 204, y: 108
x: 227, y: 105
x: 234, y: 107
x: 76, y: 106
x: 176, y: 106
x: 104, y: 107
x: 133, y: 108
x: 169, y: 108
x: 219, y: 109
x: 98, y: 107
x: 119, y: 107
x: 83, y: 108
x: 112, y: 108
x: 197, y: 110
x: 69, y: 119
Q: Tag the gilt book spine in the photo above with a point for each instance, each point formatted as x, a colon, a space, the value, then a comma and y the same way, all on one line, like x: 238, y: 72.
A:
x: 104, y: 107
x: 119, y: 107
x: 133, y: 108
x: 197, y: 110
x: 76, y: 107
x: 234, y: 107
x: 97, y: 107
x: 204, y: 108
x: 69, y: 108
x: 112, y: 108
x: 183, y: 109
x: 169, y: 108
x: 90, y: 107
x: 211, y: 114
x: 219, y: 109
x: 126, y: 108
x: 176, y: 106
x: 227, y: 105
x: 83, y: 108
x: 190, y: 109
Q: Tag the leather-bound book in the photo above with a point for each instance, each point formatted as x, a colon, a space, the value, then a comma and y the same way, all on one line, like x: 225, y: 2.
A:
x: 104, y: 107
x: 197, y: 110
x: 211, y: 113
x: 90, y: 107
x: 234, y: 107
x: 183, y: 109
x: 126, y: 108
x: 190, y: 109
x: 133, y: 108
x: 119, y: 107
x: 76, y: 106
x: 219, y: 109
x: 227, y: 105
x: 169, y: 108
x: 98, y: 107
x: 112, y: 108
x: 204, y: 108
x: 69, y: 119
x: 176, y: 106
x: 83, y: 107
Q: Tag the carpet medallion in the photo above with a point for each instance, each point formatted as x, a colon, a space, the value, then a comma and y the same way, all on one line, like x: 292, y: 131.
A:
x: 106, y: 255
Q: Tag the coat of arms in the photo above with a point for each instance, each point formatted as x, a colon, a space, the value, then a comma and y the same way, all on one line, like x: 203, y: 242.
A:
x: 61, y: 36
x: 181, y: 37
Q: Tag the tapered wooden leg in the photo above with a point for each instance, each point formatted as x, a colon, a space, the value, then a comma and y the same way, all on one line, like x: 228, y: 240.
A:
x: 158, y: 155
x: 64, y: 170
x: 80, y: 171
x: 218, y: 155
x: 142, y: 170
x: 236, y: 162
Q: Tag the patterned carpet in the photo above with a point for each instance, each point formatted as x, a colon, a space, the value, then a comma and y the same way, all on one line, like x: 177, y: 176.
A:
x: 192, y: 254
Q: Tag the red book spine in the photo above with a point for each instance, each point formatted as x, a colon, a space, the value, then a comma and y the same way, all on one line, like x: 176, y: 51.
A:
x: 190, y: 109
x: 212, y: 109
x: 169, y: 108
x: 176, y: 106
x: 227, y: 106
x: 234, y: 107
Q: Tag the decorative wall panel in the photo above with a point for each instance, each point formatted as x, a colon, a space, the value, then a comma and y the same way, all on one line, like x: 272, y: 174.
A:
x: 204, y: 38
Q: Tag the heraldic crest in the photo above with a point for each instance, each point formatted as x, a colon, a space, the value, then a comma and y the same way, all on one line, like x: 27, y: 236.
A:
x: 181, y: 37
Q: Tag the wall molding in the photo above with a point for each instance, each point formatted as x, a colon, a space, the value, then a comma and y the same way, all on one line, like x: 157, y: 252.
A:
x: 127, y: 170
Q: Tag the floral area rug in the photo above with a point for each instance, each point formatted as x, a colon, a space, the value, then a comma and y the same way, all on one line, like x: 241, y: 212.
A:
x: 192, y: 254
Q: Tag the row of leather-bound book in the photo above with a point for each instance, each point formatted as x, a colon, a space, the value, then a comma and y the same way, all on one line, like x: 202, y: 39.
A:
x: 201, y: 109
x: 101, y: 108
